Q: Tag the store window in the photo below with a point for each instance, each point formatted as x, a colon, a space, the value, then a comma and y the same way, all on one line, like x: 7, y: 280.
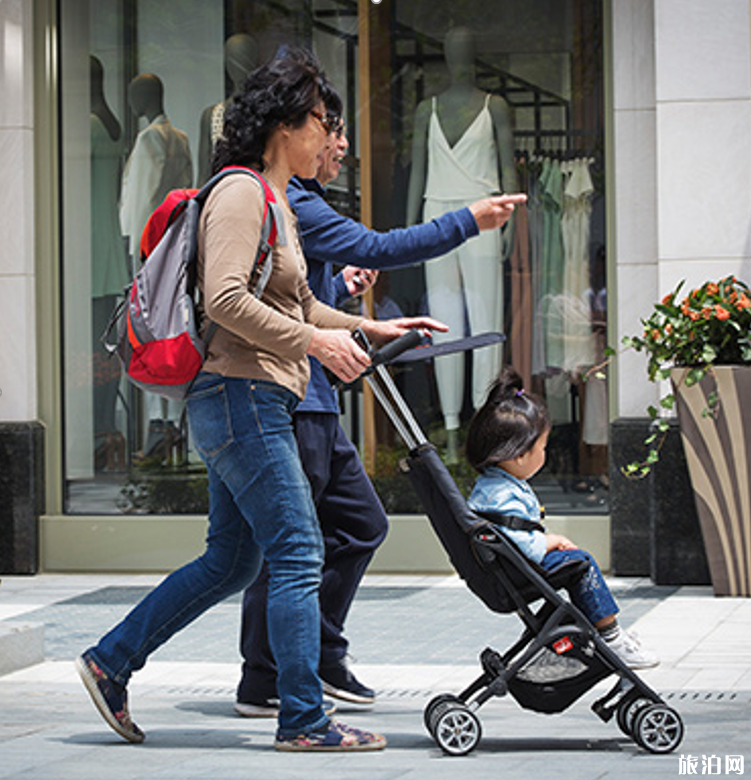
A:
x: 464, y: 108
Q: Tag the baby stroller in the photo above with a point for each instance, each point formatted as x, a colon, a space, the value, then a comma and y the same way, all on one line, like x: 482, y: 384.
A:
x: 559, y: 655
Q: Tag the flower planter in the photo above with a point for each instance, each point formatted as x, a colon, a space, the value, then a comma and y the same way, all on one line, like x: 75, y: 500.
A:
x: 718, y: 453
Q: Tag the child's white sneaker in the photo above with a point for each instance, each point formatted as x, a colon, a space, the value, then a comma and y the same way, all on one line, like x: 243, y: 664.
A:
x: 631, y: 651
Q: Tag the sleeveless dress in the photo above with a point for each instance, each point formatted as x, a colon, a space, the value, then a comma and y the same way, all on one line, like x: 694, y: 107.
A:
x: 465, y: 285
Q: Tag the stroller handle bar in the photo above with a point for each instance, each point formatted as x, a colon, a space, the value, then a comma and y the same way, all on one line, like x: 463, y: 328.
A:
x: 389, y: 351
x: 384, y: 389
x: 394, y: 348
x: 386, y: 354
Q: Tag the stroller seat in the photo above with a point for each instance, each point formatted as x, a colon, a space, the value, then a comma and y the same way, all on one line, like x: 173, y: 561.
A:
x: 559, y: 656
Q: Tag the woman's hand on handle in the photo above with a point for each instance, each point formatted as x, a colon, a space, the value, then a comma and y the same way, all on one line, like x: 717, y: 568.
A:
x: 338, y: 351
x: 382, y: 331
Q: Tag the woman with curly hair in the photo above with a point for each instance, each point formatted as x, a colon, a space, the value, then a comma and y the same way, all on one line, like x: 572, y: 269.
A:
x: 240, y: 414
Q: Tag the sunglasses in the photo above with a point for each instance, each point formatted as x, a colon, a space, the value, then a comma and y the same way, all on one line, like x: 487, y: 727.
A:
x: 329, y: 122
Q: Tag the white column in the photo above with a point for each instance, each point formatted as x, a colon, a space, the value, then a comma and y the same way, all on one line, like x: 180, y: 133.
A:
x: 703, y: 105
x: 18, y: 363
x: 635, y: 207
x: 682, y: 128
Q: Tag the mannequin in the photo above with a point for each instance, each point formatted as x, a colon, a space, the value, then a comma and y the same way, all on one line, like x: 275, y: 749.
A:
x: 160, y: 162
x: 240, y: 58
x: 463, y: 150
x: 109, y: 268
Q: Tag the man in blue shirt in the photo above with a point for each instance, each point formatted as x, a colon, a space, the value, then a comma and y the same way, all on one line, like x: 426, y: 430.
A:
x: 352, y: 518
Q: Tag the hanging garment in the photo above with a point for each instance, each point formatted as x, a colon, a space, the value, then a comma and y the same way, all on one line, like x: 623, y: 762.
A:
x: 522, y: 315
x: 578, y: 337
x: 549, y: 350
x: 465, y: 286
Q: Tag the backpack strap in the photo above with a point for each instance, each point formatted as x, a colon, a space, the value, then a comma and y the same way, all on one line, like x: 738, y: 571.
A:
x: 272, y: 228
x: 513, y: 522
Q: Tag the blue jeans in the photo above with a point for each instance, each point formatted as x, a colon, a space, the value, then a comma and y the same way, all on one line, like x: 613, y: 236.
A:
x: 591, y: 593
x: 353, y: 523
x: 260, y: 506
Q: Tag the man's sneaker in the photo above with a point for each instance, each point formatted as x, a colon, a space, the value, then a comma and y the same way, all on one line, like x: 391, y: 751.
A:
x: 339, y: 682
x: 336, y: 737
x: 631, y: 651
x: 110, y: 698
x: 263, y: 708
x: 269, y: 708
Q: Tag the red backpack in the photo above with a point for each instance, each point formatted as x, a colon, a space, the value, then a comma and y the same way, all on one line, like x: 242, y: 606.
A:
x: 158, y: 339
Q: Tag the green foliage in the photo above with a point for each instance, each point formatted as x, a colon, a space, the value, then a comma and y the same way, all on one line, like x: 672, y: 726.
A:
x: 710, y: 326
x: 154, y: 488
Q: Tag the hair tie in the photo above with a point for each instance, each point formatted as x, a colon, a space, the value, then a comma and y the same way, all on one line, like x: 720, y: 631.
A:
x: 519, y: 393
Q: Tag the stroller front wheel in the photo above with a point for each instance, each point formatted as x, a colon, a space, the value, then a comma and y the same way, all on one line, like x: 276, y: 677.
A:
x: 432, y: 707
x: 457, y: 729
x: 658, y: 728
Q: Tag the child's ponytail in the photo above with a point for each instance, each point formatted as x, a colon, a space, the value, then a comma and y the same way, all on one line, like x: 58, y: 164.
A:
x: 507, y: 425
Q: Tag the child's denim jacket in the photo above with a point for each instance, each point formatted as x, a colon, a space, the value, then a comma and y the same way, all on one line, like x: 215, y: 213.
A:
x: 498, y: 491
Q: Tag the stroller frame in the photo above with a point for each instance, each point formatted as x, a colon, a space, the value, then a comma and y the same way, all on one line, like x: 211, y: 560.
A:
x: 507, y: 581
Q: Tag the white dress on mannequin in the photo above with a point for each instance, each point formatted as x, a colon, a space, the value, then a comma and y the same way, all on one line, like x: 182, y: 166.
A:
x: 464, y: 287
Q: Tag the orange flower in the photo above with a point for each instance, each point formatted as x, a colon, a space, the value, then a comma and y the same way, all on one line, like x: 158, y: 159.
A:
x: 712, y: 288
x: 721, y: 312
x: 668, y: 299
x: 743, y: 302
x: 707, y: 313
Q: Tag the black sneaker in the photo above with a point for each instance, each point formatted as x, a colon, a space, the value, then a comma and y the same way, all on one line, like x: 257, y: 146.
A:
x: 110, y: 698
x: 339, y: 682
x: 269, y: 708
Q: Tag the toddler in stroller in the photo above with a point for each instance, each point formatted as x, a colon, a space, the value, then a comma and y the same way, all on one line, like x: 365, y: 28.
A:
x: 560, y: 654
x: 506, y: 444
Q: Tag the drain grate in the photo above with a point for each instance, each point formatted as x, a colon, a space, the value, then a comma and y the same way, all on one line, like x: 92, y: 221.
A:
x: 225, y: 692
x: 709, y: 696
x: 422, y: 694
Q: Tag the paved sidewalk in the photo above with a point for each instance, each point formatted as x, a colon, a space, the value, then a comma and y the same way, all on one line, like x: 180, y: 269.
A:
x: 412, y: 637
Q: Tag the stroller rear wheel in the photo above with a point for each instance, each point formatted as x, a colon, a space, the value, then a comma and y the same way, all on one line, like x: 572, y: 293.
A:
x: 658, y: 728
x: 432, y: 706
x: 456, y: 729
x: 627, y: 711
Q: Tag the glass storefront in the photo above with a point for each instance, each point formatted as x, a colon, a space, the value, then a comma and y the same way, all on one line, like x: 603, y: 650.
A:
x: 513, y: 86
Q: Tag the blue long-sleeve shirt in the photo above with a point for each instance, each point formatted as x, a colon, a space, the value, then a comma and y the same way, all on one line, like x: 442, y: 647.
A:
x: 329, y: 238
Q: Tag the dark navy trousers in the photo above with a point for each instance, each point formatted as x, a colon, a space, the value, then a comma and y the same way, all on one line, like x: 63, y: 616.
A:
x: 353, y: 523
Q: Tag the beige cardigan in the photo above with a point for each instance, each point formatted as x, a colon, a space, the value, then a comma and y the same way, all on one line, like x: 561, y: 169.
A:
x: 257, y: 339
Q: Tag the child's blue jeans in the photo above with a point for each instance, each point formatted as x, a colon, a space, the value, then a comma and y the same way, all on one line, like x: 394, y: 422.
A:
x: 591, y: 594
